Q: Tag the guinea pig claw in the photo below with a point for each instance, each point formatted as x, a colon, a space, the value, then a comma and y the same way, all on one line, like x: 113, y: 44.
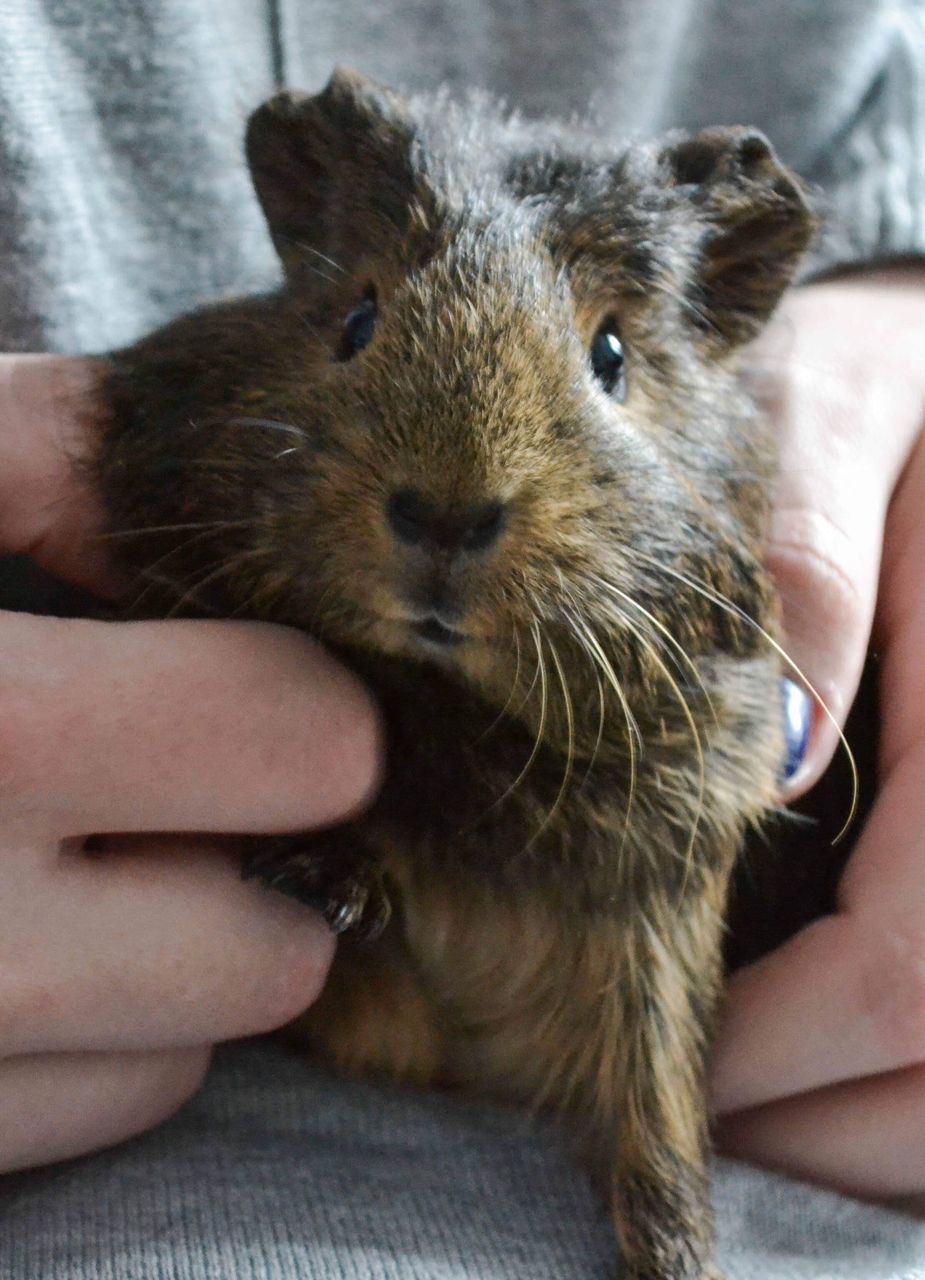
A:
x: 361, y: 909
x: 342, y: 885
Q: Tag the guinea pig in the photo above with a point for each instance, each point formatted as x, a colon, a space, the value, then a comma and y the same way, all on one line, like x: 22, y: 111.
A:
x: 489, y: 443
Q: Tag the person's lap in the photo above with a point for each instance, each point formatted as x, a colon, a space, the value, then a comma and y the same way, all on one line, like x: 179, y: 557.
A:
x: 279, y: 1170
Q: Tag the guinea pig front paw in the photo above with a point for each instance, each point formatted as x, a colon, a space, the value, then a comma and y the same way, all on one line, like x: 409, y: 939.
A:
x: 328, y: 873
x: 358, y: 906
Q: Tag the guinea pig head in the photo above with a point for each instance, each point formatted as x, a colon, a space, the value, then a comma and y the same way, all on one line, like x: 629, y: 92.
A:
x: 529, y: 459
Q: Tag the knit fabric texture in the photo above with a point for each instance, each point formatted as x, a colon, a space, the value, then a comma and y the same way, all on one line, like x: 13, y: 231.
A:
x: 282, y: 1171
x: 124, y: 201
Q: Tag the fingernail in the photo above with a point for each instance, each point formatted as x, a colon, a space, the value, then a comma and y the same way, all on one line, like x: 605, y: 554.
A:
x: 797, y: 723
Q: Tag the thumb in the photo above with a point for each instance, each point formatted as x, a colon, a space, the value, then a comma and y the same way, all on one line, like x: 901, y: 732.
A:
x: 48, y: 509
x: 824, y: 553
x: 845, y: 424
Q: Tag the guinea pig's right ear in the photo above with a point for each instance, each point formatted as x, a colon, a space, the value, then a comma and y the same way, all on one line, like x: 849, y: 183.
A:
x: 753, y: 224
x: 312, y: 159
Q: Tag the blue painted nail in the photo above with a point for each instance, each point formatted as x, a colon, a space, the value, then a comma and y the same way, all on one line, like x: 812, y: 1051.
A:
x: 798, y: 716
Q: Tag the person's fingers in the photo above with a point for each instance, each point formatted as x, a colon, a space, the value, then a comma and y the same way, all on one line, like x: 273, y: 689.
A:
x: 48, y: 510
x: 845, y: 423
x: 846, y: 996
x: 152, y: 944
x: 56, y: 1106
x: 181, y: 726
x: 900, y: 625
x: 827, y: 579
x: 864, y: 1137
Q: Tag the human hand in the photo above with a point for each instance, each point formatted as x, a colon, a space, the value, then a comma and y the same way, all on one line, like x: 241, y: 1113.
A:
x: 119, y: 969
x: 819, y: 1067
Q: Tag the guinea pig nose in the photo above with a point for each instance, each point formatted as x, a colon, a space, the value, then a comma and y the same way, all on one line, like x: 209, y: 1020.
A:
x: 419, y: 523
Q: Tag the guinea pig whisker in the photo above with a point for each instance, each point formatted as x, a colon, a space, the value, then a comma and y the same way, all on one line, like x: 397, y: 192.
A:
x: 576, y: 627
x: 322, y: 275
x: 171, y: 528
x: 176, y: 587
x: 570, y: 753
x: 249, y: 607
x: 316, y: 271
x: 574, y: 621
x: 310, y: 248
x: 320, y: 604
x: 735, y: 610
x: 532, y: 685
x: 685, y: 709
x: 544, y: 690
x: 515, y: 680
x: 163, y: 581
x: 633, y: 734
x: 211, y: 575
x: 267, y: 424
x: 573, y: 617
x: 663, y: 636
x: 310, y: 328
x: 595, y: 650
x: 539, y: 675
x: 207, y: 528
x: 687, y: 303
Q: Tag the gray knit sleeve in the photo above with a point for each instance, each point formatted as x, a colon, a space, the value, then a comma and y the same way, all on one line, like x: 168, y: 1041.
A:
x: 870, y: 172
x: 838, y: 85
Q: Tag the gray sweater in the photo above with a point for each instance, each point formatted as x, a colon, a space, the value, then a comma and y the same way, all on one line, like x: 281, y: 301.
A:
x: 124, y: 197
x: 123, y: 200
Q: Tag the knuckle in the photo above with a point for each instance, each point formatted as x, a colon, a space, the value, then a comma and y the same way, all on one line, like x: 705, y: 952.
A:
x: 20, y: 753
x: 26, y: 1007
x: 895, y: 992
x: 811, y: 566
x: 38, y: 727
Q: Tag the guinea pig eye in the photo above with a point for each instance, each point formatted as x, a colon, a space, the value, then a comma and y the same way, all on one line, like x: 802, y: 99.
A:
x: 358, y: 329
x: 609, y: 361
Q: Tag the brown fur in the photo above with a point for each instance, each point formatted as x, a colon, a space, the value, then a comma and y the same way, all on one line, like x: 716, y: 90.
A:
x: 568, y: 788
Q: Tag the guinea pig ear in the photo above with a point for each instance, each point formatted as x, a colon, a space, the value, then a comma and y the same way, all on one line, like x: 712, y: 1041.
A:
x: 312, y: 159
x: 755, y: 226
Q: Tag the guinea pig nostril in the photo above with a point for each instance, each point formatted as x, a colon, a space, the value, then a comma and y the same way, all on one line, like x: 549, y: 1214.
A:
x: 416, y: 522
x: 484, y: 527
x: 408, y: 516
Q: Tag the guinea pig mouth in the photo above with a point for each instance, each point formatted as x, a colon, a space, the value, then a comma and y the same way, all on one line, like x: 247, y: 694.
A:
x: 433, y: 631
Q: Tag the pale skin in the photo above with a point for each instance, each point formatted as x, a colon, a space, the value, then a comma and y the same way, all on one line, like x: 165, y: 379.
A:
x: 118, y: 974
x: 820, y: 1065
x: 819, y: 1069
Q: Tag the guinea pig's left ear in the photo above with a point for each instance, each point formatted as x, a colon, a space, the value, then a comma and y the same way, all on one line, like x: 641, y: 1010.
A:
x: 755, y: 224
